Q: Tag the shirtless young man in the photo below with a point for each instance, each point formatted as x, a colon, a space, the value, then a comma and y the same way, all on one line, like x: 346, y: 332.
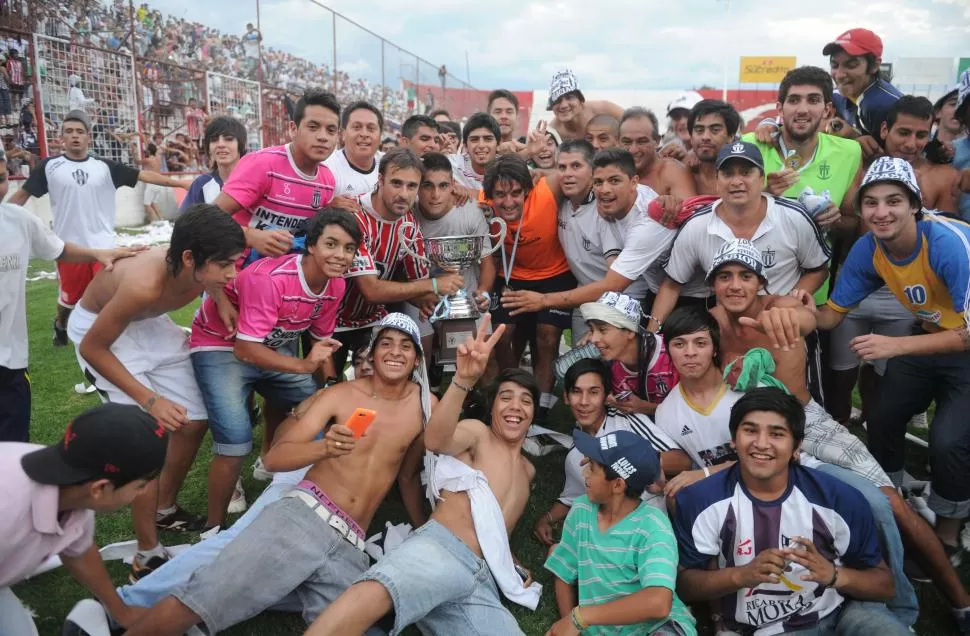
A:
x: 317, y: 528
x: 736, y: 284
x: 906, y: 131
x: 572, y: 111
x: 667, y: 177
x: 133, y: 353
x: 434, y: 578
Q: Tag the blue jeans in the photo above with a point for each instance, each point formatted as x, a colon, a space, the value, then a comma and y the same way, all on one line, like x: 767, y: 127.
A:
x: 857, y: 618
x: 226, y: 382
x: 904, y: 604
x: 437, y: 582
x: 152, y: 589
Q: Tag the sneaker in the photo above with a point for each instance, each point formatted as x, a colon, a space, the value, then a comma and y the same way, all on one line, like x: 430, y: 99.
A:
x: 855, y: 417
x: 259, y: 471
x: 141, y: 570
x: 541, y: 445
x: 919, y: 422
x: 238, y: 502
x: 208, y: 533
x: 60, y: 335
x: 179, y: 520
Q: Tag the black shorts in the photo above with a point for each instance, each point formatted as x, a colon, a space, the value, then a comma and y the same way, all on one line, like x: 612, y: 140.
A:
x: 562, y: 318
x: 14, y: 405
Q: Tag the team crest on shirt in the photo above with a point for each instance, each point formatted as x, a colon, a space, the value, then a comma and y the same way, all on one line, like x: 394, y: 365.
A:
x: 587, y: 245
x: 315, y: 202
x: 80, y: 177
x: 824, y: 170
x: 768, y: 257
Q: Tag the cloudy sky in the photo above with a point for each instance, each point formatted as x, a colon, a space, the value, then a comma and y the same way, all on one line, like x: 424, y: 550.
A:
x: 618, y: 44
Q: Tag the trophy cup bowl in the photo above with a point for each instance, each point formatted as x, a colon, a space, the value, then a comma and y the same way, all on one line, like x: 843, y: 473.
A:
x: 453, y: 253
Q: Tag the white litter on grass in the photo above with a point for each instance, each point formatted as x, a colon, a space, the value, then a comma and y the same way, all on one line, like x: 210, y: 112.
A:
x: 42, y: 275
x: 84, y: 389
x: 154, y: 234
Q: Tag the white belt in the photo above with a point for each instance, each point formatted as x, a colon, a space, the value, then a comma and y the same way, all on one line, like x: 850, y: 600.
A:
x: 334, y: 521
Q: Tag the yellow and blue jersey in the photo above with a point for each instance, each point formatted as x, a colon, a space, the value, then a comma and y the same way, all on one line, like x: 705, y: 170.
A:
x: 933, y: 282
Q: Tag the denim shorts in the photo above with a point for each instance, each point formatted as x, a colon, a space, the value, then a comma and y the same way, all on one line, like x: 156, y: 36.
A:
x: 437, y: 582
x: 286, y: 555
x: 226, y: 383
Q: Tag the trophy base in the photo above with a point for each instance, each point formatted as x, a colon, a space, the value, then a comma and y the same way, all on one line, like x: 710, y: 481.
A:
x: 449, y: 333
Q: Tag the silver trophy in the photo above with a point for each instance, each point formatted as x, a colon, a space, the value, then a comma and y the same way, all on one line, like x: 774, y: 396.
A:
x: 455, y: 314
x: 454, y: 253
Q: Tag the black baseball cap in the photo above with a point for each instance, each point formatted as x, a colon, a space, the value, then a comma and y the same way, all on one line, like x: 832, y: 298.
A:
x: 740, y: 150
x: 119, y: 442
x: 627, y: 454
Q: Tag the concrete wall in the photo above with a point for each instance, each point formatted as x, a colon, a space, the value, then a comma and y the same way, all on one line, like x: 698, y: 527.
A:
x: 128, y: 202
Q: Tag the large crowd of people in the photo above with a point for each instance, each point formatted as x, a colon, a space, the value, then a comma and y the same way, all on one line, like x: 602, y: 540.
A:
x: 720, y: 292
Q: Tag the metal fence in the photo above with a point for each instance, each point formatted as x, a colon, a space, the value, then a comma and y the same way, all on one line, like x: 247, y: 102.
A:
x: 143, y: 69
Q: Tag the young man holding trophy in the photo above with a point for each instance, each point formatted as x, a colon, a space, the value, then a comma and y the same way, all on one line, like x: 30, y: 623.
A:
x: 441, y: 221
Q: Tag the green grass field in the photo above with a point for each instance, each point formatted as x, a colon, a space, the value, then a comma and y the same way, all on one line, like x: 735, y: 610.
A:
x: 54, y: 372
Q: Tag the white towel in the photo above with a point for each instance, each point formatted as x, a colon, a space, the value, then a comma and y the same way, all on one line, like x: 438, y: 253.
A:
x: 456, y: 476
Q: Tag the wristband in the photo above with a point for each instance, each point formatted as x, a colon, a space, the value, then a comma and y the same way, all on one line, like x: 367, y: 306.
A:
x: 707, y: 471
x: 458, y: 385
x: 835, y: 578
x: 577, y: 618
x: 149, y: 403
x: 434, y: 286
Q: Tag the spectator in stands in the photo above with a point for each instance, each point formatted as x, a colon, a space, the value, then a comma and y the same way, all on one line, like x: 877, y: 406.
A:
x: 194, y: 121
x: 76, y: 98
x: 224, y: 144
x: 17, y: 157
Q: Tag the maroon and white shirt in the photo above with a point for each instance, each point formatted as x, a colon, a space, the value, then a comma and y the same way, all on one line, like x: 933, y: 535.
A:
x: 379, y: 254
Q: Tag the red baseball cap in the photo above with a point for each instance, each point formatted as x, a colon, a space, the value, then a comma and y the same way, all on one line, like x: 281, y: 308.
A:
x: 855, y: 42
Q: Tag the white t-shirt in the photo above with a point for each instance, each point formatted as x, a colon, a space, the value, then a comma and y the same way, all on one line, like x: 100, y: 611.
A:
x: 348, y: 179
x: 465, y: 175
x: 24, y: 237
x: 789, y: 240
x: 580, y: 239
x: 82, y: 196
x: 464, y: 220
x: 639, y: 244
x: 575, y: 485
x: 702, y: 433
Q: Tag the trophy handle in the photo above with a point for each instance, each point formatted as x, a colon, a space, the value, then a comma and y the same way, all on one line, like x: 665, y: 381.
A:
x: 501, y: 236
x: 406, y: 242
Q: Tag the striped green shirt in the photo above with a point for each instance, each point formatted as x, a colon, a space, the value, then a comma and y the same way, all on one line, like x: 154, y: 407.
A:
x: 638, y: 552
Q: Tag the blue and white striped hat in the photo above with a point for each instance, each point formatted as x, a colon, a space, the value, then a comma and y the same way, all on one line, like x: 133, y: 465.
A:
x: 890, y: 169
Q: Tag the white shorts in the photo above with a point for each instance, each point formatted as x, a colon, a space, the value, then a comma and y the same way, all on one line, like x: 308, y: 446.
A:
x: 153, y: 193
x: 155, y: 351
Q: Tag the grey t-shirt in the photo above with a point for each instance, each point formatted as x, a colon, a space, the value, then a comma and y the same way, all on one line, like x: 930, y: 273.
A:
x: 464, y: 220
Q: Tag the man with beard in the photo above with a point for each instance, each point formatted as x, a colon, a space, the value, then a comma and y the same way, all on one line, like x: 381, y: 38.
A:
x: 667, y: 177
x: 603, y: 131
x: 273, y: 191
x: 381, y: 261
x: 480, y: 139
x: 318, y: 526
x: 532, y: 260
x: 572, y: 111
x: 354, y: 166
x: 438, y: 216
x: 711, y: 123
x: 446, y: 576
x: 864, y: 97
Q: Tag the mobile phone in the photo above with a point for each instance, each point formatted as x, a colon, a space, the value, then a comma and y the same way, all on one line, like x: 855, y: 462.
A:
x: 360, y: 420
